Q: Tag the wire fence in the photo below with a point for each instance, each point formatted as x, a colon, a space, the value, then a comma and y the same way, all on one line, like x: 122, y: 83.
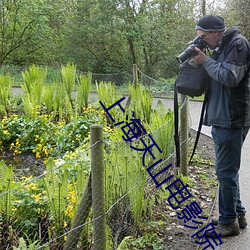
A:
x: 161, y: 87
x: 55, y: 210
x: 41, y: 210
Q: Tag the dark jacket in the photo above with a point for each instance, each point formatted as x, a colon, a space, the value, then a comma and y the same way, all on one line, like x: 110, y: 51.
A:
x: 229, y: 90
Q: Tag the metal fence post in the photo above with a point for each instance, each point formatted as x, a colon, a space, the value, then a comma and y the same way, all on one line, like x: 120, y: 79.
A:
x: 184, y: 135
x: 98, y: 195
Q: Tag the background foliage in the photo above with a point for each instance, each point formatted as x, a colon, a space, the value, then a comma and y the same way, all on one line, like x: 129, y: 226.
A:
x: 106, y: 36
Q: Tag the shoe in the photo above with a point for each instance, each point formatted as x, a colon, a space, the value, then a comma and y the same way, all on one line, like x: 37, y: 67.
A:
x: 225, y: 230
x: 241, y: 219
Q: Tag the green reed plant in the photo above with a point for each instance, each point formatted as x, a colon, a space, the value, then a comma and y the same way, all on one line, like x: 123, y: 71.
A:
x: 56, y: 184
x: 62, y: 106
x: 58, y: 102
x: 141, y: 99
x: 33, y: 85
x: 68, y: 74
x: 107, y: 94
x: 63, y: 100
x: 48, y: 98
x: 5, y: 90
x: 83, y: 91
x: 65, y: 181
x: 6, y: 184
x: 126, y: 186
x: 125, y: 175
x: 162, y: 129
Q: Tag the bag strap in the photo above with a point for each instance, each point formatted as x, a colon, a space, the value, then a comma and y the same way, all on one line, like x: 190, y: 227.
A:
x: 200, y: 126
x: 176, y: 126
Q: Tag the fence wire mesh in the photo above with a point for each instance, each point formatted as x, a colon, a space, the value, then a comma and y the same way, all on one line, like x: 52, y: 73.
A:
x: 48, y: 208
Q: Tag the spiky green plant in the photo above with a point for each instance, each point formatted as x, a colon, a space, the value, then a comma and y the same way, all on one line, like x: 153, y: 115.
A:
x: 6, y: 184
x: 162, y: 127
x: 33, y: 85
x: 125, y: 175
x: 5, y: 90
x: 68, y: 74
x: 141, y: 102
x: 106, y: 92
x: 56, y: 185
x: 83, y: 91
x: 62, y: 106
x: 48, y: 98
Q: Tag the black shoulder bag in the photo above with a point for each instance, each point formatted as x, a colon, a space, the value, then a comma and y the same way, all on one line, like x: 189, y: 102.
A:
x: 191, y: 81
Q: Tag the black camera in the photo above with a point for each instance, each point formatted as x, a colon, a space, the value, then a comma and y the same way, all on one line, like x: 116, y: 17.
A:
x: 190, y: 51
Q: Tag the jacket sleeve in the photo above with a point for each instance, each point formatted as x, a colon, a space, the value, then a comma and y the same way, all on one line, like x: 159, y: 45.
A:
x: 234, y: 66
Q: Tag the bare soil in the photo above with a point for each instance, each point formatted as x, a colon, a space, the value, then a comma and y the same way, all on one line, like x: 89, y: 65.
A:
x: 203, y: 186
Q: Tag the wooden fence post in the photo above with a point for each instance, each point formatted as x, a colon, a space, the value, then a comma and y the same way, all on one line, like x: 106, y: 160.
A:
x: 135, y: 82
x: 80, y: 218
x: 98, y: 194
x: 135, y: 74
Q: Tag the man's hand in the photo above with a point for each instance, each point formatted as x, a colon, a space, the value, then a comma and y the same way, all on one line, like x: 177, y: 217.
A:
x: 200, y: 58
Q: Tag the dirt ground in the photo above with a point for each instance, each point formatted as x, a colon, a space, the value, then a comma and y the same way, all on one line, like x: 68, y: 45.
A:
x: 203, y: 186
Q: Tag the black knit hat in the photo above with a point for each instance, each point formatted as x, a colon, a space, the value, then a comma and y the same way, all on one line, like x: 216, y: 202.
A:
x: 211, y: 23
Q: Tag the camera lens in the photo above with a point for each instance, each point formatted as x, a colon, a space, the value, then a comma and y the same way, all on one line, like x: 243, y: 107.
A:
x: 187, y: 53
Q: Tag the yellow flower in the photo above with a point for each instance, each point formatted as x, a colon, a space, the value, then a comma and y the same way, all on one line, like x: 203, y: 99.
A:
x: 73, y: 199
x: 45, y: 151
x: 14, y: 209
x: 16, y: 152
x: 31, y: 186
x: 69, y: 211
x: 6, y: 132
x: 38, y: 155
x: 37, y: 196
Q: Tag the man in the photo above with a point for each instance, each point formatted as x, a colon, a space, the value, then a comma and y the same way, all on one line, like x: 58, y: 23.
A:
x: 228, y: 112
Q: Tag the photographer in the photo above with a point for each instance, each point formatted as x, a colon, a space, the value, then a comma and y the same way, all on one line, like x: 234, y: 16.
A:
x: 228, y: 112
